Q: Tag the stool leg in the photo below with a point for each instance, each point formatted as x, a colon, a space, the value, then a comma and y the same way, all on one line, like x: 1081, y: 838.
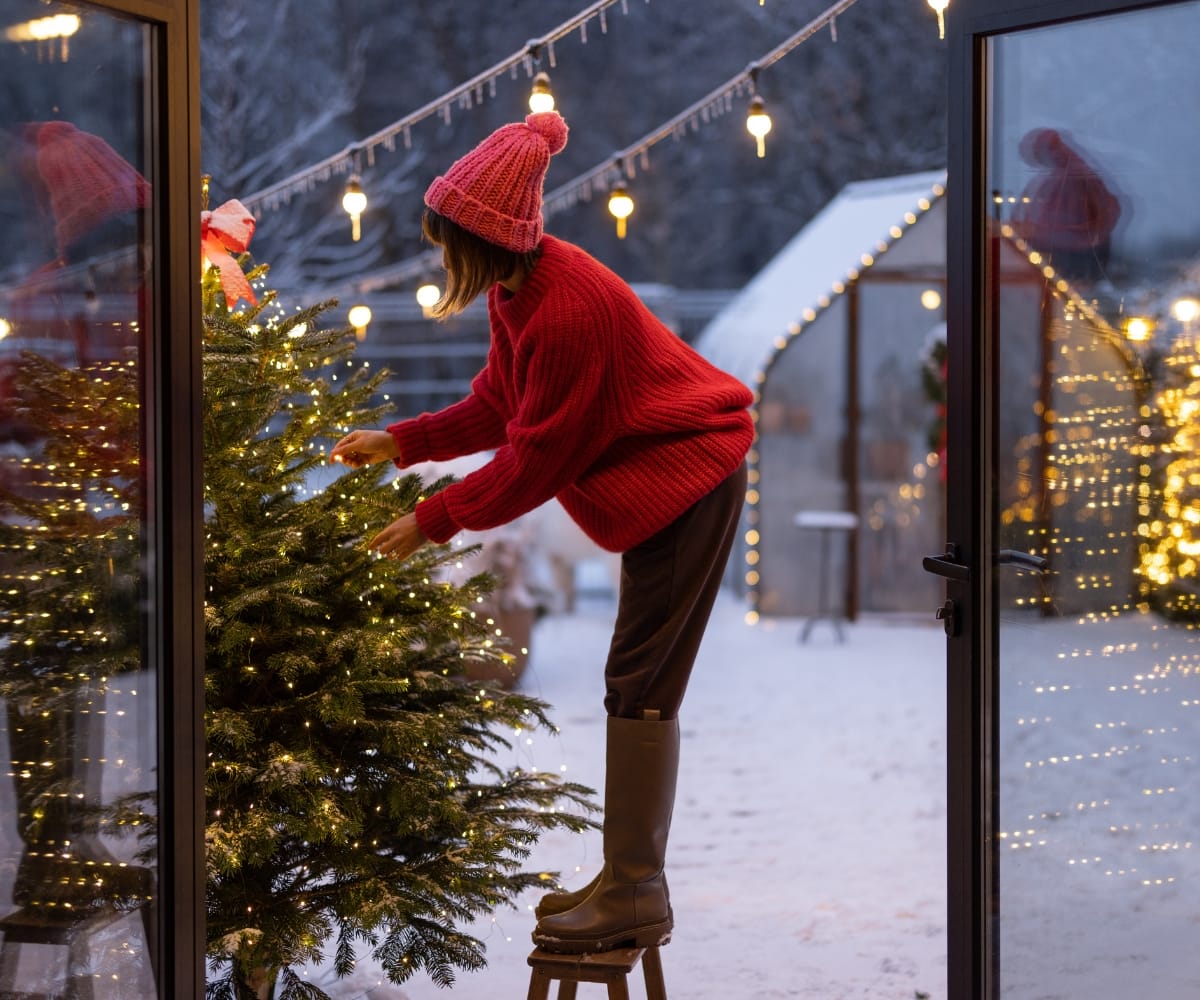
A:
x: 652, y: 969
x: 539, y: 986
x: 618, y: 989
x: 823, y: 576
x: 822, y: 584
x: 566, y: 989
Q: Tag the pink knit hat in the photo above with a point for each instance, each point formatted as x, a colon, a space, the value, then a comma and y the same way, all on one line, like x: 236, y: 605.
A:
x: 86, y: 180
x: 495, y: 191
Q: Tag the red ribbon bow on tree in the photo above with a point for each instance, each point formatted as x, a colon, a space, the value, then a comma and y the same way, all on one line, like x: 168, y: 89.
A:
x: 223, y: 232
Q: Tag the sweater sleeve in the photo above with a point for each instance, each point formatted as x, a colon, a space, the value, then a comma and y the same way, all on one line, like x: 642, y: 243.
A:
x: 471, y: 425
x: 556, y: 434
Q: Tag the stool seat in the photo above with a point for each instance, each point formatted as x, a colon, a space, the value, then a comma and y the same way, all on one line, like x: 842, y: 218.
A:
x: 608, y: 967
x: 846, y: 520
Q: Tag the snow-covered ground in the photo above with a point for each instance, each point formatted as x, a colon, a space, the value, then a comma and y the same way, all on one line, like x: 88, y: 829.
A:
x: 807, y: 854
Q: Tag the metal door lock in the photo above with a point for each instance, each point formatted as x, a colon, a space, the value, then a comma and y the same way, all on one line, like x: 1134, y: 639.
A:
x: 947, y: 614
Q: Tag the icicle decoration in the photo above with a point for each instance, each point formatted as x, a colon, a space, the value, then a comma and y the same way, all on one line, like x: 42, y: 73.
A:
x: 467, y: 95
x: 718, y: 102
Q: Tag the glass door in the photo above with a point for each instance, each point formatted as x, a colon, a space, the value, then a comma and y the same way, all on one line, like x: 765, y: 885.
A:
x: 98, y: 813
x: 1082, y: 601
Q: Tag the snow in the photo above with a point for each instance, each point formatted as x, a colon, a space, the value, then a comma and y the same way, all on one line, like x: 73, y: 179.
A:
x: 807, y: 854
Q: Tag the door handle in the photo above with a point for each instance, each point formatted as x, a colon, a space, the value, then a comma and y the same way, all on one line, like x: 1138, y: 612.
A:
x: 1022, y: 560
x: 952, y: 568
x: 948, y: 565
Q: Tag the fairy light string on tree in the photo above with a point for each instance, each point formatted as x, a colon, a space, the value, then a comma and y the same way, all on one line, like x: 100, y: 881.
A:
x: 73, y: 540
x: 346, y: 746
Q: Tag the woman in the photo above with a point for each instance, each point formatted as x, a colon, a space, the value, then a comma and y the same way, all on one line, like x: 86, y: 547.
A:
x: 586, y: 397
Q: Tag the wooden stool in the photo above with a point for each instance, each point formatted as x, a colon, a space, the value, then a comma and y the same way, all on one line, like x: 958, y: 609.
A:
x: 608, y: 967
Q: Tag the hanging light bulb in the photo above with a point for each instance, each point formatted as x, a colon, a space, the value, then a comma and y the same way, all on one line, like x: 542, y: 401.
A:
x: 354, y: 201
x: 5, y: 328
x: 428, y: 296
x: 940, y: 6
x: 1138, y: 329
x: 44, y: 31
x: 540, y: 96
x: 758, y: 124
x: 359, y: 317
x: 1184, y: 310
x: 621, y: 206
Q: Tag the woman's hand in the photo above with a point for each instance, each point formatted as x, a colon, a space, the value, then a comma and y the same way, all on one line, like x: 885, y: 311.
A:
x: 359, y: 448
x: 400, y: 539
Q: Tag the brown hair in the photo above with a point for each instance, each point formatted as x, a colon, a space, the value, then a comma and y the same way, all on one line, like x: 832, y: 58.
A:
x: 472, y: 264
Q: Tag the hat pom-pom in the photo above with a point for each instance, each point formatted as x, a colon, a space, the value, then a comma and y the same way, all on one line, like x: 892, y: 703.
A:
x: 551, y: 126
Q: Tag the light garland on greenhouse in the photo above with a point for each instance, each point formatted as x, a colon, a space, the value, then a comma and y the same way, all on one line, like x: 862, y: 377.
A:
x: 752, y: 537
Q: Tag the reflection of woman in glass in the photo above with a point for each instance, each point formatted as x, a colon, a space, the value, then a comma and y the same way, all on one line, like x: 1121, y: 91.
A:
x: 1067, y: 212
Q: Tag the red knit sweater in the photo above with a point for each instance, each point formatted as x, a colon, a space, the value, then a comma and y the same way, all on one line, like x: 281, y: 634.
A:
x: 586, y: 397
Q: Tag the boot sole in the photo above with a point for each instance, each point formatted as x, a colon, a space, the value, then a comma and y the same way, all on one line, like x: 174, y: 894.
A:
x: 640, y: 937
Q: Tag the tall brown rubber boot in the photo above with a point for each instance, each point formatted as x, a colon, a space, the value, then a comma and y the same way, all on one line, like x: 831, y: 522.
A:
x: 560, y: 902
x: 628, y: 906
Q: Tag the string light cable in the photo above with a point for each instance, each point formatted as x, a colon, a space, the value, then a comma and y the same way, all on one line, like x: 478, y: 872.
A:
x: 466, y: 95
x: 714, y: 104
x: 623, y: 165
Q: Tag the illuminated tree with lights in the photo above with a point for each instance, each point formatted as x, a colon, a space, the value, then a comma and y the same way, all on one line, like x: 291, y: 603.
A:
x: 71, y: 627
x: 1170, y: 546
x: 354, y: 798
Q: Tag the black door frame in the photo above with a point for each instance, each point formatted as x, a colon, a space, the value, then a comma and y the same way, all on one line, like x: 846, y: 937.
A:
x: 172, y: 398
x: 972, y: 653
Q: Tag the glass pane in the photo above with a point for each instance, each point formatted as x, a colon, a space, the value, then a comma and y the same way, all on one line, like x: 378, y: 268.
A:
x: 77, y: 679
x: 797, y: 448
x: 1094, y: 275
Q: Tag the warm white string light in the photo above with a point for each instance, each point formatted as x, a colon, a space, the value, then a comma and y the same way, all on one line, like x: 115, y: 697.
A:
x: 354, y: 201
x: 621, y: 166
x: 621, y: 207
x: 465, y: 95
x: 602, y: 176
x: 360, y: 318
x: 541, y: 97
x: 940, y: 6
x: 717, y: 102
x: 758, y: 124
x: 429, y: 295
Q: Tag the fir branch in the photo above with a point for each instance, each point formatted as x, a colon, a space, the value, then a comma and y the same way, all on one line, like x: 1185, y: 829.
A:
x: 354, y: 790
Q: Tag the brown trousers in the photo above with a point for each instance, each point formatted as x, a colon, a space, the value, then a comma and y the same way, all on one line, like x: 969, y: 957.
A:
x: 668, y: 586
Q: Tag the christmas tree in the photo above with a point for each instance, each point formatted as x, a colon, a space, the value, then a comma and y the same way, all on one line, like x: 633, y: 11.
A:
x: 355, y: 802
x: 71, y: 628
x: 354, y: 798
